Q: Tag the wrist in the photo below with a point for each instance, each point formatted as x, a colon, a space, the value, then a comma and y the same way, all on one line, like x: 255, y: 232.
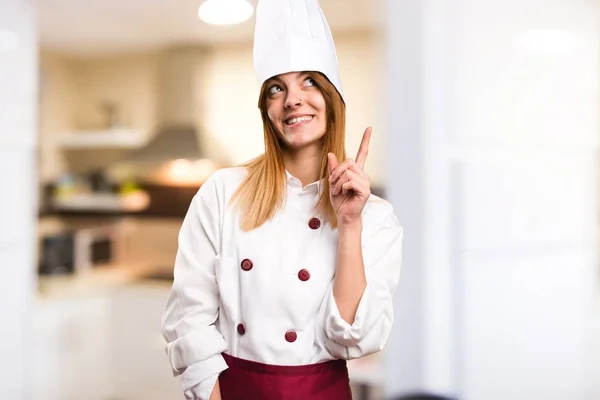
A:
x: 350, y: 226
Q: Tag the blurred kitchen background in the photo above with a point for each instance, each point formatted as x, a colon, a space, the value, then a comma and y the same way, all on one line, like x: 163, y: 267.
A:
x: 486, y: 118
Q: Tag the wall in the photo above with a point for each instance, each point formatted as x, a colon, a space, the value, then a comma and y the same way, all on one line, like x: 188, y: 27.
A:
x: 18, y: 124
x: 230, y: 121
x: 495, y: 183
x: 130, y: 82
x: 72, y: 95
x: 58, y: 99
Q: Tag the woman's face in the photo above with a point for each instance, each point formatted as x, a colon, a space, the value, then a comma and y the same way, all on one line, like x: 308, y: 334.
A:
x: 297, y: 109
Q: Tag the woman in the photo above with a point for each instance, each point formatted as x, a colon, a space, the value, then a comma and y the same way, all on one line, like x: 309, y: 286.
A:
x: 286, y: 265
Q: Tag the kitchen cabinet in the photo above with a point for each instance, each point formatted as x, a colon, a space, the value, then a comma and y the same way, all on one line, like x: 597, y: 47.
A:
x: 70, y: 341
x: 139, y: 364
x: 100, y: 346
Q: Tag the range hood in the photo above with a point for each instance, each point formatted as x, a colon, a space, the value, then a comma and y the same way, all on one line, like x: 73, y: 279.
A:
x: 174, y: 142
x: 178, y: 134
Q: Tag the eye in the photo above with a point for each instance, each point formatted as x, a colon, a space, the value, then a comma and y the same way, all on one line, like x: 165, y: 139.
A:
x: 309, y: 82
x: 275, y: 89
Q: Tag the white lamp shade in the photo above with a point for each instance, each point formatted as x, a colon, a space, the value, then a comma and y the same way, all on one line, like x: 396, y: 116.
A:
x: 225, y: 12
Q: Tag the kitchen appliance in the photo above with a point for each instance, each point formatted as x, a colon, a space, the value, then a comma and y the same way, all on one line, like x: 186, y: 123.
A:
x: 95, y: 246
x: 78, y: 250
x: 57, y: 254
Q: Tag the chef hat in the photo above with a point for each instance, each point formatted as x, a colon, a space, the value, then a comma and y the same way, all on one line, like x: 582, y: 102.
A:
x: 293, y: 36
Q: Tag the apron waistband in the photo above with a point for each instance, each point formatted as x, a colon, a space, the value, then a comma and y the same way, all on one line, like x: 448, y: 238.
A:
x: 287, y: 370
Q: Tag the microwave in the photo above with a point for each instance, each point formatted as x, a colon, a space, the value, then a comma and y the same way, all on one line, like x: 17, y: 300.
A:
x: 78, y: 250
x: 94, y: 246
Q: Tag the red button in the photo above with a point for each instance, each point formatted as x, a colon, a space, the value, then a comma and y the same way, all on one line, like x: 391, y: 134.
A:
x: 247, y: 265
x: 314, y: 223
x: 304, y: 275
x: 291, y: 336
x: 241, y: 329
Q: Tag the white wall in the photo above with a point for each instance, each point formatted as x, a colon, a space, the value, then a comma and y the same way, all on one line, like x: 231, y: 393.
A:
x: 495, y: 182
x: 129, y: 82
x: 18, y: 125
x: 71, y: 98
x: 58, y: 95
x: 404, y: 357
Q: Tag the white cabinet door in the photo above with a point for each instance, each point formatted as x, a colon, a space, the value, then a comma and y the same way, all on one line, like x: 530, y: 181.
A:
x: 70, y: 344
x: 103, y: 347
x: 139, y: 364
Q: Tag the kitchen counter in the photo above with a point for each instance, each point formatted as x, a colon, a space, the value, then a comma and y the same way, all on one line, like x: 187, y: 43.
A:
x: 164, y: 202
x: 98, y: 280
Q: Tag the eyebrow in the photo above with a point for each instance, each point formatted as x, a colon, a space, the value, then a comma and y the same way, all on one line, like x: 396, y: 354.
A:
x: 274, y: 80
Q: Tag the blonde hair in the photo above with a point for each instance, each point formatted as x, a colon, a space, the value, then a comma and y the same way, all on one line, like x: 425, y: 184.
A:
x: 261, y: 193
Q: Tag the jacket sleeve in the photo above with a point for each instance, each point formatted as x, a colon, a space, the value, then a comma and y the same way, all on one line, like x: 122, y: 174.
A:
x: 382, y: 258
x: 194, y: 343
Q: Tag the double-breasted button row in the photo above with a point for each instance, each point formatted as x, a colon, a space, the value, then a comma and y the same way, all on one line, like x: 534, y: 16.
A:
x: 314, y: 223
x: 290, y: 335
x: 247, y: 265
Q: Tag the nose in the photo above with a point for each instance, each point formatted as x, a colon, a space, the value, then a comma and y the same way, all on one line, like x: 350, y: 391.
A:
x: 293, y: 99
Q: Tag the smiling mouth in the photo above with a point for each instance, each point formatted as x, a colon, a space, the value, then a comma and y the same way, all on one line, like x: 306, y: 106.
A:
x: 298, y: 120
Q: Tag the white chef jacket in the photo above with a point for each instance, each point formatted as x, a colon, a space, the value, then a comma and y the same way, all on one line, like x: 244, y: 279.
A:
x: 267, y: 295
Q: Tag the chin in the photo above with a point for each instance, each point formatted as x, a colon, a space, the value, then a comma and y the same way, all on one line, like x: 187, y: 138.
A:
x: 300, y: 144
x: 300, y: 138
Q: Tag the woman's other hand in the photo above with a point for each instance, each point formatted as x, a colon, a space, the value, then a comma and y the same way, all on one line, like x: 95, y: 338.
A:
x: 216, y: 393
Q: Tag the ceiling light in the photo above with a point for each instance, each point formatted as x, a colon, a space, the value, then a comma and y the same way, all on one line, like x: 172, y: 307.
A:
x: 225, y: 12
x: 9, y: 41
x: 548, y: 42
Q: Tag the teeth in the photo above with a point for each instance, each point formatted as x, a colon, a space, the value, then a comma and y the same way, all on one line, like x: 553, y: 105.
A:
x: 299, y: 119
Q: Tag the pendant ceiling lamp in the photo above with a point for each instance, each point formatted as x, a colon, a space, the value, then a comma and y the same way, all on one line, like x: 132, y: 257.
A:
x: 225, y: 12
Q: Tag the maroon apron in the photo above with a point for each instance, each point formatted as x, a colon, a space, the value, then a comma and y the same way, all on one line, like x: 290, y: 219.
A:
x: 249, y: 380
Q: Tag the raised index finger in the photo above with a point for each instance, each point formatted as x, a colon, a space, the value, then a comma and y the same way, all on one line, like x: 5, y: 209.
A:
x: 363, y: 150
